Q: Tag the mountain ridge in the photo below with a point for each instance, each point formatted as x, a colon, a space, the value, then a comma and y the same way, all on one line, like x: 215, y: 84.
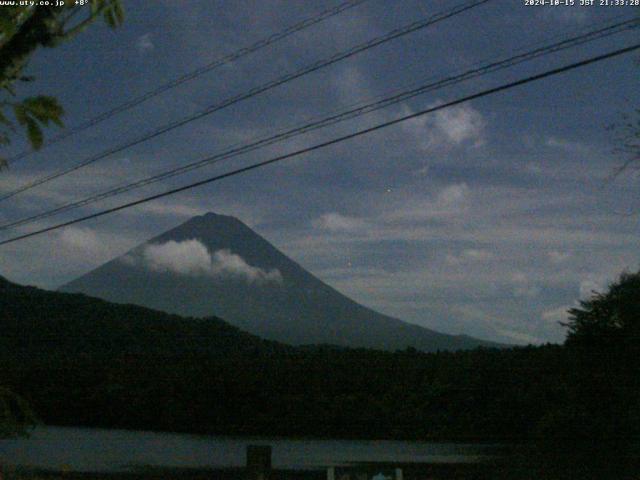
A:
x: 268, y: 294
x: 73, y: 325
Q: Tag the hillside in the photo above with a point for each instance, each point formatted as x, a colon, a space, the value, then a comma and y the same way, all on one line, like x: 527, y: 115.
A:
x: 216, y: 265
x: 37, y: 322
x: 83, y: 361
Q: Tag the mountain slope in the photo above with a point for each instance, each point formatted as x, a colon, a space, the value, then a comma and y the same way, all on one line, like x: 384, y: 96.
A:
x: 216, y: 265
x: 37, y: 322
x: 81, y: 361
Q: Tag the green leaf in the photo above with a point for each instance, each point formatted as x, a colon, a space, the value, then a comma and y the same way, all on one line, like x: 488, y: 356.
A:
x: 112, y: 11
x: 7, y: 27
x: 20, y: 113
x: 96, y: 5
x: 118, y: 12
x: 34, y: 132
x: 44, y: 109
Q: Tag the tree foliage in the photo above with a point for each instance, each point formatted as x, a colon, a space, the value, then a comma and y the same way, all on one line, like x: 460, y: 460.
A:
x: 16, y: 416
x: 610, y: 318
x: 573, y: 408
x: 594, y: 433
x: 24, y: 29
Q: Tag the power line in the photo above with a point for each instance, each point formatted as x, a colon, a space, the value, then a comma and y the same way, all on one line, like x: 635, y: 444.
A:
x: 484, y: 93
x: 231, y: 57
x: 589, y: 36
x: 392, y: 35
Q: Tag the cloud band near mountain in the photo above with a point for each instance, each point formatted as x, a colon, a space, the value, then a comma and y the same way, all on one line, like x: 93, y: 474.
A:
x: 191, y: 257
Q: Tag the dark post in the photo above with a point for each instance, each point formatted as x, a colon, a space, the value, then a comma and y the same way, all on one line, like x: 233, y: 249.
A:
x: 258, y: 461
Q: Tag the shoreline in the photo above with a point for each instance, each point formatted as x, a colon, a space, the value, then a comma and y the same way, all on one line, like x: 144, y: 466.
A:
x: 410, y: 471
x: 495, y: 441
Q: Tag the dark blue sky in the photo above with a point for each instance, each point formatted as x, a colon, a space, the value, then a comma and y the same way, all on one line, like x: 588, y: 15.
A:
x: 490, y: 219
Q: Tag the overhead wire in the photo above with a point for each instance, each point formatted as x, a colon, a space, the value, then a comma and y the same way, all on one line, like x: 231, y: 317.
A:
x: 392, y: 35
x: 318, y: 146
x: 360, y: 109
x: 219, y: 62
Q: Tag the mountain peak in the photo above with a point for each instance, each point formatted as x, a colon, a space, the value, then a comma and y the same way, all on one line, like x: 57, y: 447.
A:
x: 213, y: 230
x: 212, y: 218
x: 217, y: 216
x: 216, y: 265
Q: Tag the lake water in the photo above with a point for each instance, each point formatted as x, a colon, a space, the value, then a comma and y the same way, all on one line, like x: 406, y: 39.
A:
x: 84, y: 449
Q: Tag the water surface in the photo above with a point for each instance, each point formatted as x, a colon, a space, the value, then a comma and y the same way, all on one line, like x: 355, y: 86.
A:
x: 88, y: 449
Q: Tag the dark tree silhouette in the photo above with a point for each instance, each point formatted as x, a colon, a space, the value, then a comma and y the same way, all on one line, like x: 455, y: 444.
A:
x: 16, y: 416
x: 24, y: 29
x: 609, y: 319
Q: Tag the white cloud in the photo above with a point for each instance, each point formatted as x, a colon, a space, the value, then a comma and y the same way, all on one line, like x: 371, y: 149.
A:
x: 80, y: 238
x: 469, y: 255
x: 351, y: 83
x: 56, y: 258
x: 451, y: 201
x: 191, y: 257
x: 451, y: 127
x: 479, y: 255
x: 557, y: 314
x: 173, y: 209
x: 523, y: 286
x: 591, y: 284
x: 495, y: 325
x: 225, y: 262
x: 144, y: 43
x: 461, y: 124
x: 452, y: 196
x: 336, y: 222
x: 567, y: 145
x: 83, y: 245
